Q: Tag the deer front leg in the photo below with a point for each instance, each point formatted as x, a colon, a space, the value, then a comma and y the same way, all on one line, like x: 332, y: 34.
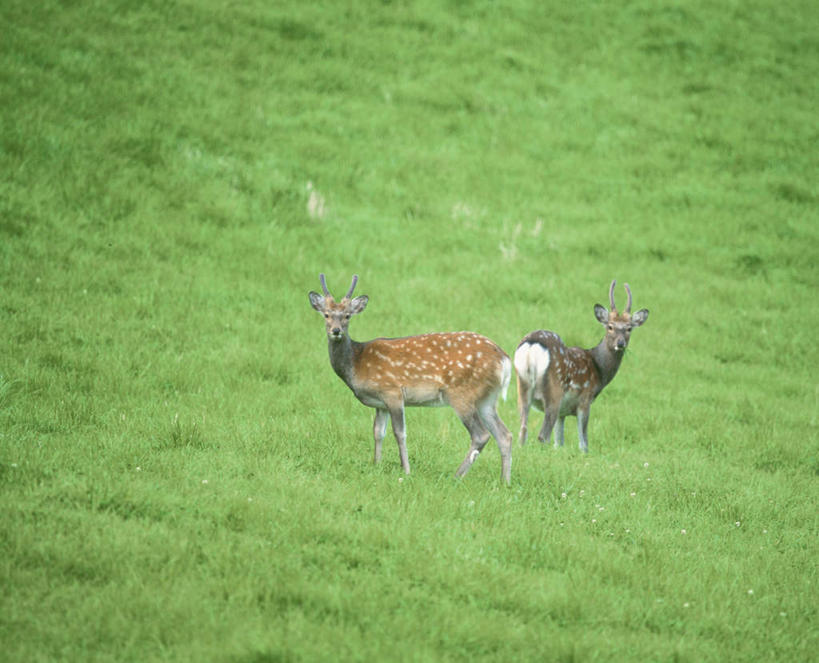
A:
x: 397, y: 416
x: 379, y: 431
x: 582, y: 426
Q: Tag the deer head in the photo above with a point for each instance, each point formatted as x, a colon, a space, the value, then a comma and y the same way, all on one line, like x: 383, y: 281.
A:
x: 618, y: 325
x: 337, y: 314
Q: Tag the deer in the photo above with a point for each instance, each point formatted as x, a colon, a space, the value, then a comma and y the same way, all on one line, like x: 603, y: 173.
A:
x: 563, y: 381
x: 463, y: 370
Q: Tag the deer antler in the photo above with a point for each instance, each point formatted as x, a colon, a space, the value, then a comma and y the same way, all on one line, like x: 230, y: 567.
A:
x: 628, y: 307
x: 611, y: 296
x: 352, y: 287
x: 324, y: 286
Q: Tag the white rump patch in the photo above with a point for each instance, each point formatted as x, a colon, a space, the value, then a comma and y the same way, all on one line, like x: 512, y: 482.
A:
x: 531, y: 362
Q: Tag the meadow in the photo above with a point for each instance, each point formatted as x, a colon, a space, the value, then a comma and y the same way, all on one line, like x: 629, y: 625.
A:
x: 183, y: 477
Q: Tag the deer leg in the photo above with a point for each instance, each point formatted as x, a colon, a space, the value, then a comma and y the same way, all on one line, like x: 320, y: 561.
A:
x: 524, y: 403
x: 582, y: 426
x: 549, y: 418
x: 379, y: 431
x: 491, y: 419
x: 559, y: 431
x: 480, y: 436
x: 397, y: 416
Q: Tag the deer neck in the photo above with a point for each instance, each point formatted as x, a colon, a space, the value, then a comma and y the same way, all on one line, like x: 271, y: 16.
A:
x: 342, y: 354
x: 606, y: 362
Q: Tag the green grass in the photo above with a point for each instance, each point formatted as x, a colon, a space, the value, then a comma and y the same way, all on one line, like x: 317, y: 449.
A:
x: 182, y: 476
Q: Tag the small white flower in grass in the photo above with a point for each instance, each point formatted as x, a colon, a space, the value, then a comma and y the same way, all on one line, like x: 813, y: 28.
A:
x: 14, y: 464
x: 563, y: 496
x: 204, y: 480
x: 686, y: 605
x: 783, y: 614
x: 750, y: 592
x: 400, y: 479
x: 628, y: 531
x: 645, y: 464
x: 633, y: 494
x: 737, y: 523
x: 764, y: 531
x: 138, y: 468
x: 602, y: 508
x: 594, y: 520
x: 582, y: 492
x: 249, y: 499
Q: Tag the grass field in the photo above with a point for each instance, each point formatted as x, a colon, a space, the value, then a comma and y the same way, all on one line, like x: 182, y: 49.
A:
x: 183, y: 477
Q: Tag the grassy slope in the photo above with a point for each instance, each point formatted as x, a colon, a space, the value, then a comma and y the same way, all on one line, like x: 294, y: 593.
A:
x: 482, y: 167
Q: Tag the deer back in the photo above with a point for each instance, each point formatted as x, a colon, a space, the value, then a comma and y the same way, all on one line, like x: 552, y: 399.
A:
x: 431, y: 369
x: 544, y: 360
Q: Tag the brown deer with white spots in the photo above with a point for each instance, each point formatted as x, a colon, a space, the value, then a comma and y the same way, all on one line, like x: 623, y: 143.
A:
x: 464, y: 370
x: 564, y: 381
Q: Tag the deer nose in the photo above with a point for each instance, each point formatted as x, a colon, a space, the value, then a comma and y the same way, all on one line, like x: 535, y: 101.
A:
x: 336, y: 331
x: 620, y: 344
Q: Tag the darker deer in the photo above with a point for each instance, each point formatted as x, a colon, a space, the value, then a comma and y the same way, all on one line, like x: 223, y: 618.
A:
x: 464, y: 370
x: 564, y: 381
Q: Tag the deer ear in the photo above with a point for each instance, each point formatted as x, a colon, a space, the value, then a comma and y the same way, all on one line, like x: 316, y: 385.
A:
x: 601, y: 314
x: 639, y: 318
x: 316, y: 301
x: 359, y: 303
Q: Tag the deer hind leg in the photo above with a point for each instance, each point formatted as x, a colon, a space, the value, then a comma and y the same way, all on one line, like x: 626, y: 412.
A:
x: 491, y: 419
x: 479, y: 434
x: 379, y: 431
x: 549, y: 417
x: 524, y: 404
x: 559, y: 431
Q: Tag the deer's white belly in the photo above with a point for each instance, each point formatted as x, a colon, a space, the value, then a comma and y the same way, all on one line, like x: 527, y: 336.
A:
x: 424, y: 395
x: 569, y: 403
x: 418, y: 396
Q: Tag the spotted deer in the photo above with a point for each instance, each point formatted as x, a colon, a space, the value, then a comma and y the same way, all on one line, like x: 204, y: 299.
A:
x: 464, y: 370
x: 564, y: 381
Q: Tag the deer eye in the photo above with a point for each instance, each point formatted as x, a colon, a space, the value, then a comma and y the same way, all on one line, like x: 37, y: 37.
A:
x: 347, y: 317
x: 326, y: 316
x: 611, y: 327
